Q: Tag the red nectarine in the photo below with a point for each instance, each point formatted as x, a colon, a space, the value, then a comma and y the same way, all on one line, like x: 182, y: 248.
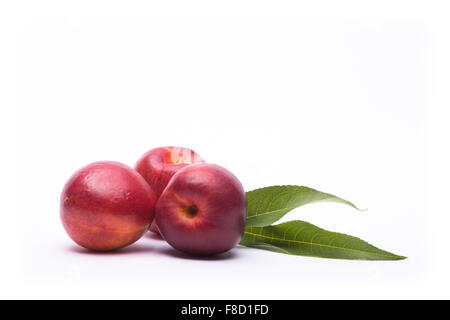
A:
x: 202, y: 210
x: 106, y: 205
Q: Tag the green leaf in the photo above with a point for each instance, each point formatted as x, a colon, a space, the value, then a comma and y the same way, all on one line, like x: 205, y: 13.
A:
x: 268, y: 205
x: 302, y: 238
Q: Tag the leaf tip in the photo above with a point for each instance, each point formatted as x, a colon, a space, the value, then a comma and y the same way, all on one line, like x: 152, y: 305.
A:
x: 395, y: 257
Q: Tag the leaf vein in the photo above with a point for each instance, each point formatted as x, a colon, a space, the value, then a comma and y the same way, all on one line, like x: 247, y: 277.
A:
x: 316, y: 244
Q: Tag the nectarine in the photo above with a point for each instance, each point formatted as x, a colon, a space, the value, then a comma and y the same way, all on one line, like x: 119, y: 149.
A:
x: 106, y: 205
x: 202, y: 210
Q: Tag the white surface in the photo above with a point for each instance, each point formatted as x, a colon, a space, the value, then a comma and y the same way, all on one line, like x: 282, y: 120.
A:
x: 343, y: 97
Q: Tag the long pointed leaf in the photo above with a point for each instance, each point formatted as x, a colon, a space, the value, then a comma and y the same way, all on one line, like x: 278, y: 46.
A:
x: 303, y: 238
x: 268, y: 205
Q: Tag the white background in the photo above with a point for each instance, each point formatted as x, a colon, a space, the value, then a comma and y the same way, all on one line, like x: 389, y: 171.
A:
x: 343, y: 96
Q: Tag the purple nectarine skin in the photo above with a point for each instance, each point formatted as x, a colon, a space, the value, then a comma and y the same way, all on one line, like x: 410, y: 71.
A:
x: 202, y: 211
x: 158, y: 165
x: 106, y: 205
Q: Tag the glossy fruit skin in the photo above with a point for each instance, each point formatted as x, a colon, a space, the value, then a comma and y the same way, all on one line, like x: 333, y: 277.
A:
x: 202, y: 211
x: 158, y: 165
x: 106, y: 205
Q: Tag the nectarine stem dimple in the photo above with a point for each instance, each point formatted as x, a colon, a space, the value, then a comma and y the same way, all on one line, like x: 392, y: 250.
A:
x: 192, y: 210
